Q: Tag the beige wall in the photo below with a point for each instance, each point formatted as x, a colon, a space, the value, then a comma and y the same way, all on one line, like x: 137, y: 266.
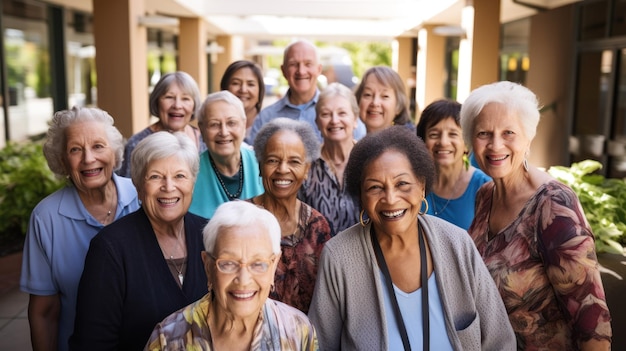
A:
x: 551, y: 53
x: 121, y: 63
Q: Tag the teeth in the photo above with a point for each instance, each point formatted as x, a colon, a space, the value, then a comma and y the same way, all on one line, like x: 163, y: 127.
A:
x: 498, y: 159
x: 91, y: 171
x: 282, y: 182
x: 168, y: 201
x: 444, y: 152
x: 393, y: 214
x: 243, y: 296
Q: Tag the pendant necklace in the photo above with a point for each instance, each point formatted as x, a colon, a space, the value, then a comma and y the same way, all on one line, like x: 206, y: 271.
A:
x: 438, y: 212
x: 180, y: 270
x: 219, y: 178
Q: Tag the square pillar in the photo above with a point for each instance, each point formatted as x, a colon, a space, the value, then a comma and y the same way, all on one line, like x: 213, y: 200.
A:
x: 192, y: 43
x: 122, y: 63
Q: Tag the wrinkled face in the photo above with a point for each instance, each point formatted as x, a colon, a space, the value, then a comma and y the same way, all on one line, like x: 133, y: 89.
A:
x: 241, y: 294
x: 222, y: 129
x: 175, y: 108
x: 301, y: 69
x: 391, y: 194
x: 336, y: 120
x: 377, y: 105
x: 284, y: 167
x: 499, y: 141
x: 445, y: 142
x: 166, y: 192
x: 89, y: 159
x: 244, y: 85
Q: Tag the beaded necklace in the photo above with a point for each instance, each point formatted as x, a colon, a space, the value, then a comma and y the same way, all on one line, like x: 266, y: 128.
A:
x: 219, y: 178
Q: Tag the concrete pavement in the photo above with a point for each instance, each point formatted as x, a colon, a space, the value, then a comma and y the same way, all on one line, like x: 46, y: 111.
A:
x: 14, y: 329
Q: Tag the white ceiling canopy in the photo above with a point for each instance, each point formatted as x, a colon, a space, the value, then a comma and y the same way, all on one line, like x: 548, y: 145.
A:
x: 339, y: 19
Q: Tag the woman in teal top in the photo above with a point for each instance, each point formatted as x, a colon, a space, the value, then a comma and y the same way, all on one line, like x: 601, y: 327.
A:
x: 228, y: 171
x: 454, y: 192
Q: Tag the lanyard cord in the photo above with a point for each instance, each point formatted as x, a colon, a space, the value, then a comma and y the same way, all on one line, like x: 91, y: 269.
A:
x: 392, y: 295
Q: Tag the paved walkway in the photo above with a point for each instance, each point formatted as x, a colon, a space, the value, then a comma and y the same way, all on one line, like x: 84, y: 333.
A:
x: 15, y: 332
x: 14, y: 329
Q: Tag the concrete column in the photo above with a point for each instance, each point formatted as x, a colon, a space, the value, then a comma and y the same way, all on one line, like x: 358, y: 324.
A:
x: 121, y: 63
x: 431, y: 67
x: 232, y: 50
x: 192, y: 43
x: 404, y: 63
x: 479, y: 59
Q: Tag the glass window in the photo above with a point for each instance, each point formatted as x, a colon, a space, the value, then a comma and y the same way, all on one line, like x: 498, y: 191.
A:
x: 28, y: 78
x: 80, y: 59
x: 590, y: 125
x: 617, y: 144
x: 619, y: 18
x: 593, y: 20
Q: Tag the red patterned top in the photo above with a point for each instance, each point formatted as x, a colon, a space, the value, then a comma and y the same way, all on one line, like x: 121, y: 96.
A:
x: 545, y: 267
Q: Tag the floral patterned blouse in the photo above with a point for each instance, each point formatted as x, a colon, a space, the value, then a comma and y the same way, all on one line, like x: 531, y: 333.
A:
x: 545, y: 267
x: 297, y: 268
x: 280, y: 327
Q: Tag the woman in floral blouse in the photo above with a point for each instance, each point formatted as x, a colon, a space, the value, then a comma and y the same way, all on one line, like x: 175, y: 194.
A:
x: 241, y: 255
x: 531, y: 230
x: 285, y: 149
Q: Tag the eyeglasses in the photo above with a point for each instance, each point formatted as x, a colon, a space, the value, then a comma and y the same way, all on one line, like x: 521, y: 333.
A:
x: 231, y: 266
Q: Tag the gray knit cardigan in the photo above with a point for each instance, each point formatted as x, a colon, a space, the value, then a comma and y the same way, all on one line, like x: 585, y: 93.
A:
x: 347, y: 308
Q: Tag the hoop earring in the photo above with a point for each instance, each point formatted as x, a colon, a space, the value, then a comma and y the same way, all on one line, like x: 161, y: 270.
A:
x: 525, y: 164
x: 363, y: 223
x: 425, y: 202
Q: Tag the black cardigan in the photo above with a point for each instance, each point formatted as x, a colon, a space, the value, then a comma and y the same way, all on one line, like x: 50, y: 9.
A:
x: 127, y: 288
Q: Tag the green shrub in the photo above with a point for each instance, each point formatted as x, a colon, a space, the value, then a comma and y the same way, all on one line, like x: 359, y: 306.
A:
x: 603, y: 200
x: 25, y: 179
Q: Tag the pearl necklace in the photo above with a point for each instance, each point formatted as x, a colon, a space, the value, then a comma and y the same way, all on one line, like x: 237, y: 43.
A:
x: 219, y: 178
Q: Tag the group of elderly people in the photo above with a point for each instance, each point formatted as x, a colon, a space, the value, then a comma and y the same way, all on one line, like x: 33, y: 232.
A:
x: 174, y: 258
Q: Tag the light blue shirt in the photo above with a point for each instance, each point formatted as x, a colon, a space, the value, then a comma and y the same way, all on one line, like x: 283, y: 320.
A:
x: 411, y: 308
x: 57, y: 240
x: 304, y: 112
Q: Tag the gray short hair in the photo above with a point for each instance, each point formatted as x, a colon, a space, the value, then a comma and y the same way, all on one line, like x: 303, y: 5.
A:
x: 337, y: 89
x: 161, y: 145
x: 183, y: 80
x: 54, y: 149
x: 225, y: 96
x: 303, y: 129
x: 240, y: 213
x: 514, y: 97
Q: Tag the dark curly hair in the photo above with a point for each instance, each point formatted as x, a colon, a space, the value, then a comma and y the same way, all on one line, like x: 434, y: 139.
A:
x: 397, y: 138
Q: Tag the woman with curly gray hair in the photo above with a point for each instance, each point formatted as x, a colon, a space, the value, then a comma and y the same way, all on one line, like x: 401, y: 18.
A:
x: 285, y: 149
x: 84, y: 146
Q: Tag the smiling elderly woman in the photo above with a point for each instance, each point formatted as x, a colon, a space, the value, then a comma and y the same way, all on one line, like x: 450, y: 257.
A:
x: 147, y: 265
x: 285, y: 149
x: 240, y: 260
